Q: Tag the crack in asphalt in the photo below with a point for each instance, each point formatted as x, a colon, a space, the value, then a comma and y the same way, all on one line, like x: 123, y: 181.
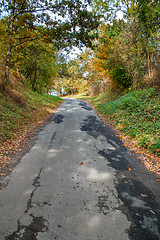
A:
x: 103, y: 204
x: 52, y: 139
x: 38, y: 224
x: 36, y: 184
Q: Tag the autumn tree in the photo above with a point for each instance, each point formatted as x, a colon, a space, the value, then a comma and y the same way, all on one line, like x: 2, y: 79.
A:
x: 104, y: 67
x: 94, y: 74
x: 66, y: 23
x: 137, y: 45
x: 70, y: 78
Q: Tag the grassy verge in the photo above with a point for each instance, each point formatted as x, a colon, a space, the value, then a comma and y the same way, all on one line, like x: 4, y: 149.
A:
x: 136, y: 114
x: 22, y: 111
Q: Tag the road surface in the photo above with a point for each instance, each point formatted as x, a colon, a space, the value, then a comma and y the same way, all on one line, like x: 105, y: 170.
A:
x: 78, y: 182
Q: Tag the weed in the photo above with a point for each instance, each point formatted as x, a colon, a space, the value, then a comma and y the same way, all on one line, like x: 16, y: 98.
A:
x: 155, y: 147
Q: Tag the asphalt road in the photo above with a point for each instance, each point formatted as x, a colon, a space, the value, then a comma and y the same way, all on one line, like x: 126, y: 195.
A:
x: 78, y: 182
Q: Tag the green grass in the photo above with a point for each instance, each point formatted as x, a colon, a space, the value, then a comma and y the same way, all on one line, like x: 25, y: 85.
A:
x: 137, y: 114
x: 17, y: 114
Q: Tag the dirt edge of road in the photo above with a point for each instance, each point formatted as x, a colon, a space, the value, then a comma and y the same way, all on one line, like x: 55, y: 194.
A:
x: 149, y: 160
x: 11, y: 159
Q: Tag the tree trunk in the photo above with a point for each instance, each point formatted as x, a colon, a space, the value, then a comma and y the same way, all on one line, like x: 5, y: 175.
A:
x: 9, y: 47
x: 7, y: 66
x: 149, y: 65
x: 34, y: 84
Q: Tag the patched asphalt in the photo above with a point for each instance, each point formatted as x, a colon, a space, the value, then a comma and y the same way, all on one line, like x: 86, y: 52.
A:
x: 79, y: 182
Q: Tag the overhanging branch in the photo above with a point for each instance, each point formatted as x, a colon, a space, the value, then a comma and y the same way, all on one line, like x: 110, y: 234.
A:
x: 27, y: 40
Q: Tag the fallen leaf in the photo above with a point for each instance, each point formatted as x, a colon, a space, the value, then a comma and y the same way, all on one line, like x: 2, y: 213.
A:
x: 143, y: 195
x: 137, y: 214
x: 81, y: 163
x: 152, y: 212
x: 129, y: 169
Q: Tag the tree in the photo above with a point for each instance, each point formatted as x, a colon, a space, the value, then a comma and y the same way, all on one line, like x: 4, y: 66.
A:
x: 70, y: 79
x: 148, y: 15
x: 138, y: 44
x: 95, y: 75
x: 38, y: 66
x: 66, y: 22
x: 108, y: 59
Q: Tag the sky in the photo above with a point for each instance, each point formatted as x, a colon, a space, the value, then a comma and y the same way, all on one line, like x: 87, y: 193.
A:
x: 76, y: 51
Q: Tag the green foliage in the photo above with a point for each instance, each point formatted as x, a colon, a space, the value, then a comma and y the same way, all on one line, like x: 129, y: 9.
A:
x: 148, y: 14
x: 118, y: 75
x: 3, y: 42
x: 60, y: 23
x: 155, y: 147
x: 70, y: 79
x: 67, y: 22
x: 17, y: 118
x: 132, y: 56
x: 38, y: 66
x: 137, y: 114
x: 109, y: 56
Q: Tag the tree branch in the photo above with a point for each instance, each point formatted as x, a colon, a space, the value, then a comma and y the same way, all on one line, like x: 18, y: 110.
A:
x: 32, y: 11
x: 28, y: 40
x: 18, y: 12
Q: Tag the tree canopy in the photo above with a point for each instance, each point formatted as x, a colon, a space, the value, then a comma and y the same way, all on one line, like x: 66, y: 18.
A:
x: 119, y: 54
x: 60, y: 22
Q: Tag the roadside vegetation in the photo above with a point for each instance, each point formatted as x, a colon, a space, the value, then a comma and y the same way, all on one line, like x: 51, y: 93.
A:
x: 15, y: 117
x: 135, y: 115
x: 21, y: 112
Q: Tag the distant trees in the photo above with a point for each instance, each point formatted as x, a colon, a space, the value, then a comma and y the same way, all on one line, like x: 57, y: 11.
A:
x: 70, y: 79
